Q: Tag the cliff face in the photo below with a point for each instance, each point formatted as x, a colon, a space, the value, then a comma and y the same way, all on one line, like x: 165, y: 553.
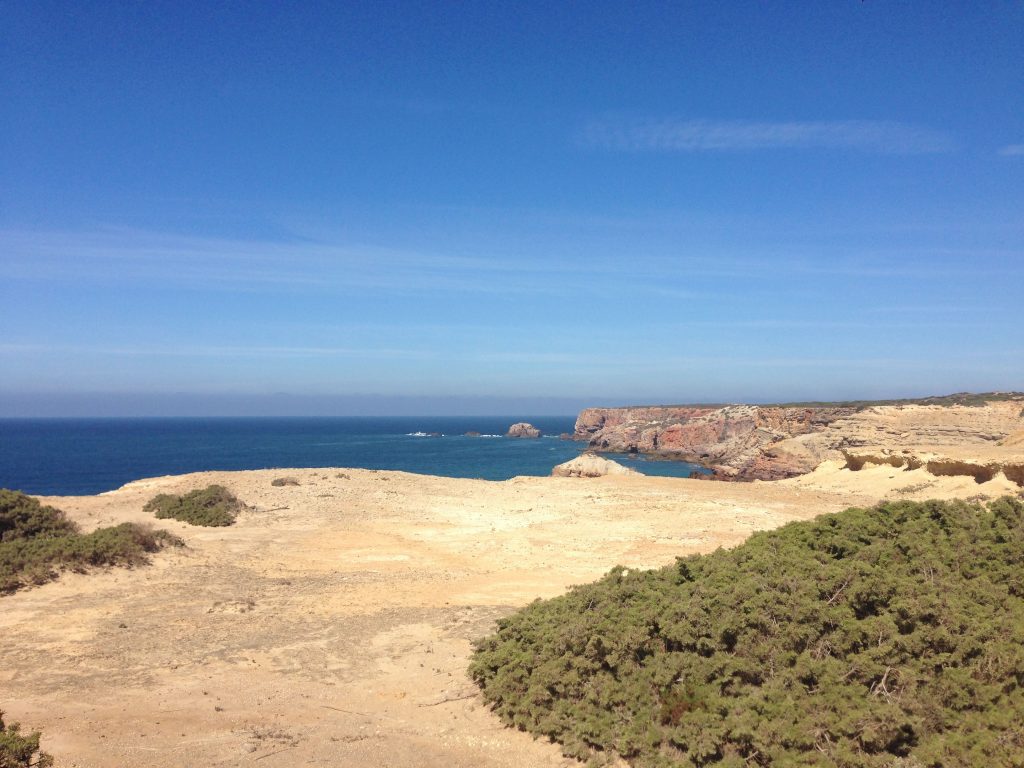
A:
x: 735, y: 440
x: 771, y: 442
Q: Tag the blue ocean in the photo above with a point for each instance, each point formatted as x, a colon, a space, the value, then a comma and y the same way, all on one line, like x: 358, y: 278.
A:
x: 87, y: 456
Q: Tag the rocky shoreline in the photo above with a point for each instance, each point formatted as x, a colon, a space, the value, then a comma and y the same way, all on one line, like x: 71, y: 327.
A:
x: 333, y: 623
x: 752, y: 442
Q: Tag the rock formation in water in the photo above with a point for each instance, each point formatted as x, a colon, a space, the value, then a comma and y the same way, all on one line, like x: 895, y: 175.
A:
x: 749, y: 442
x: 523, y: 429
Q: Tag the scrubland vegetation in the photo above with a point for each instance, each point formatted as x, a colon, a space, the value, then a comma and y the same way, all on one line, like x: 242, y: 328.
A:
x: 19, y: 750
x: 37, y: 542
x: 968, y: 399
x: 213, y: 506
x: 890, y: 636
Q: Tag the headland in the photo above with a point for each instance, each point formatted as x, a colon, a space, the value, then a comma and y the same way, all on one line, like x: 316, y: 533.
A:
x: 977, y: 435
x: 332, y: 623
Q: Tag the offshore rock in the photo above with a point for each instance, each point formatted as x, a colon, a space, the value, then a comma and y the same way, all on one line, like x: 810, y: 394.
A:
x: 523, y: 429
x: 590, y: 465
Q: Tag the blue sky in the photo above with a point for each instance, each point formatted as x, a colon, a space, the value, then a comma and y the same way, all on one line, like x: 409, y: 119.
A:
x: 537, y: 206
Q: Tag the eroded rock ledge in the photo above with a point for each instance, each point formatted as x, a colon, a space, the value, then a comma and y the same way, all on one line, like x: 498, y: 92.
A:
x: 982, y: 470
x: 750, y: 442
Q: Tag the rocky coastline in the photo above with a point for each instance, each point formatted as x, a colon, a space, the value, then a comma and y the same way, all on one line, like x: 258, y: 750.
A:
x: 756, y: 442
x: 345, y: 601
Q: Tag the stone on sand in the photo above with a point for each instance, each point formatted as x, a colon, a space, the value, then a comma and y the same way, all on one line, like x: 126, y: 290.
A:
x: 589, y: 465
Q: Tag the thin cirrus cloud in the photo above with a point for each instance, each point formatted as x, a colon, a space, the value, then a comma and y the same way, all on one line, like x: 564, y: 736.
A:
x: 216, y: 351
x: 673, y: 135
x: 253, y: 266
x: 1012, y: 150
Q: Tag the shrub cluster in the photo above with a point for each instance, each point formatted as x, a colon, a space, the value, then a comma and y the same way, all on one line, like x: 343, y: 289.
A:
x: 37, y: 541
x: 23, y: 517
x: 18, y: 750
x: 891, y: 636
x: 214, y: 505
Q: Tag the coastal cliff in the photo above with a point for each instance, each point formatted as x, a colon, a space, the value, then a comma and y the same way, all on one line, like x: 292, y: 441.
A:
x: 754, y: 442
x: 736, y: 441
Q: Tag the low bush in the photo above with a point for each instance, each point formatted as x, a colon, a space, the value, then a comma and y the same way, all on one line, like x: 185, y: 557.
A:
x: 282, y: 481
x: 891, y: 636
x: 23, y: 517
x: 18, y: 750
x: 38, y: 542
x: 214, y: 505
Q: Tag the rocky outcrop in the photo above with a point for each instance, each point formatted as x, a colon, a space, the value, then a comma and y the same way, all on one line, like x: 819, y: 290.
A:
x: 750, y: 442
x: 589, y: 465
x: 740, y: 441
x: 982, y: 470
x: 523, y: 429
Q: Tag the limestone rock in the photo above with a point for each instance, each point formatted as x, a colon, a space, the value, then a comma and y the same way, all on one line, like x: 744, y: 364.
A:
x: 522, y: 429
x: 590, y: 465
x: 751, y: 442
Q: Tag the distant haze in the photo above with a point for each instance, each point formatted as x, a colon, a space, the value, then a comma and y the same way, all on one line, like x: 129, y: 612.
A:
x: 123, y: 405
x: 85, y: 405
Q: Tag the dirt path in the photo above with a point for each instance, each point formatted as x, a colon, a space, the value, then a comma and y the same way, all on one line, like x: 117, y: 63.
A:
x: 332, y: 625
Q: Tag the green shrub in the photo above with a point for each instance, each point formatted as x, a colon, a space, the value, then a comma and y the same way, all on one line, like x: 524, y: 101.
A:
x: 214, y: 505
x: 25, y: 562
x: 20, y: 751
x: 891, y: 636
x: 38, y: 542
x: 23, y: 517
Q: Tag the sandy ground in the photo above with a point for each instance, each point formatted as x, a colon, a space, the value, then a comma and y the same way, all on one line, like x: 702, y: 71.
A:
x: 332, y: 625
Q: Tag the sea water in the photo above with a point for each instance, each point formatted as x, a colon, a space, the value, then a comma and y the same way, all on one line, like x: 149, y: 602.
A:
x: 86, y: 456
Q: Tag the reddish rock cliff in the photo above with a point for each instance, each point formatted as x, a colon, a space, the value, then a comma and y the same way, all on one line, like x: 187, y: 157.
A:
x: 737, y: 441
x: 749, y: 442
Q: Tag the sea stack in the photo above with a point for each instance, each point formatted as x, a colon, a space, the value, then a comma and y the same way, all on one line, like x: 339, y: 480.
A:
x: 522, y: 429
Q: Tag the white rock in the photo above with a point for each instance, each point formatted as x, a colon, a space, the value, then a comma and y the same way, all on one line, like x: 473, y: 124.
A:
x: 590, y: 465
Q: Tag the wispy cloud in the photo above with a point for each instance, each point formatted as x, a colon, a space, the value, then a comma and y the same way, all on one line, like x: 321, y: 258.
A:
x: 673, y: 135
x: 119, y: 255
x: 927, y: 309
x: 216, y: 351
x: 1012, y: 150
x: 542, y: 277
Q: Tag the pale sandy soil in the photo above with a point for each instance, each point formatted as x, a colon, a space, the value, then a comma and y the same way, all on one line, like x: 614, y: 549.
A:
x: 332, y: 625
